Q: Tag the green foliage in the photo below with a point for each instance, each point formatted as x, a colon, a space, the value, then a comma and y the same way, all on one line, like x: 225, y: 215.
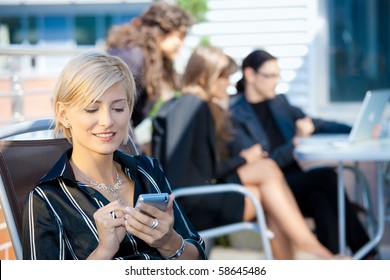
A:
x: 197, y: 8
x: 204, y: 41
x: 223, y: 241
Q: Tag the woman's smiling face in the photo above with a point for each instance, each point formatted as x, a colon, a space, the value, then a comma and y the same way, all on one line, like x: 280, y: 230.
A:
x: 101, y: 126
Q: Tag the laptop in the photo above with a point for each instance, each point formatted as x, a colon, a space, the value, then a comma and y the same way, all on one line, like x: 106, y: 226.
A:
x: 370, y: 114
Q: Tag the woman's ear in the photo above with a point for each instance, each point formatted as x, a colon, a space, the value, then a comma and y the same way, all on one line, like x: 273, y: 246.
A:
x: 202, y: 80
x: 249, y: 74
x: 61, y: 113
x: 159, y: 36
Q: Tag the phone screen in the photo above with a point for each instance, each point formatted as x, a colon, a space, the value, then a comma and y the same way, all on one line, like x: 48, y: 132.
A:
x: 158, y: 200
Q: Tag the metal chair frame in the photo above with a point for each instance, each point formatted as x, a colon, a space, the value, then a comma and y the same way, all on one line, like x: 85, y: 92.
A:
x: 10, y: 199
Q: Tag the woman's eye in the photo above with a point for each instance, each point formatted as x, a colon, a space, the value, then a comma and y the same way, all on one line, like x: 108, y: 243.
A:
x: 119, y: 109
x: 90, y: 110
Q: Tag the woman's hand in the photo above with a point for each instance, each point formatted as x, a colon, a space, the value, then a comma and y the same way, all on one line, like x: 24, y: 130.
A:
x: 304, y: 127
x: 376, y: 131
x: 109, y: 221
x: 139, y: 223
x: 253, y: 153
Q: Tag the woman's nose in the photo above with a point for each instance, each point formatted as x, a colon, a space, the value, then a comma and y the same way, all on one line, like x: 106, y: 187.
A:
x: 105, y: 118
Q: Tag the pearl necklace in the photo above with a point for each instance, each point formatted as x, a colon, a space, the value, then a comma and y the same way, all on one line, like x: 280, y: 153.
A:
x: 102, y: 186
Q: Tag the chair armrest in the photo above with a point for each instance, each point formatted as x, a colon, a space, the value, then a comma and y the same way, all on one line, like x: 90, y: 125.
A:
x: 259, y: 225
x: 11, y: 225
x: 25, y: 127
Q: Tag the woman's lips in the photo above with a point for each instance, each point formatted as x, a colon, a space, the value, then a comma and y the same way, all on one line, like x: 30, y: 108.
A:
x: 105, y: 136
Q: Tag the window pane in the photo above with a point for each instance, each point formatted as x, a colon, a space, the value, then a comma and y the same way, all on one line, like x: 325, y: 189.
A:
x: 33, y: 30
x: 14, y: 26
x: 359, y: 47
x: 85, y: 30
x: 55, y: 29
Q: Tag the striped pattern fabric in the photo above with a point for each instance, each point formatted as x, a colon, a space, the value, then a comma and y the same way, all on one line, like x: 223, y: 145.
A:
x: 58, y: 217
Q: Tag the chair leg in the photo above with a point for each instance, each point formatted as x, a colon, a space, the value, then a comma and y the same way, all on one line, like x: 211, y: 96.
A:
x: 387, y: 193
x: 365, y: 197
x: 209, y: 244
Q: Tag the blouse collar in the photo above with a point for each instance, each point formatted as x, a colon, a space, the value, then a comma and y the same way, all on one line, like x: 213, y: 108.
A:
x: 62, y: 167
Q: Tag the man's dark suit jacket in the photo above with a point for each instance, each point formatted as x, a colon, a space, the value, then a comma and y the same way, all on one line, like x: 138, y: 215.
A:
x: 250, y: 131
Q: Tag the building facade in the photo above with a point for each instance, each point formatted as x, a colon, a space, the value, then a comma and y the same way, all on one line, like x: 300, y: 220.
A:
x: 330, y: 51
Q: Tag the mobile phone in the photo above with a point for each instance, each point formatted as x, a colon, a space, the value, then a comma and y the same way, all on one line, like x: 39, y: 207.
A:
x: 158, y: 200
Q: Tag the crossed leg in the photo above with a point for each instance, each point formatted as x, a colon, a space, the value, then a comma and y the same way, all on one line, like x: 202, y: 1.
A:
x: 264, y: 179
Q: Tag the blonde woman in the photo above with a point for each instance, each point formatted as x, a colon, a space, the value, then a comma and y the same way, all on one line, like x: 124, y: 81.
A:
x: 83, y: 208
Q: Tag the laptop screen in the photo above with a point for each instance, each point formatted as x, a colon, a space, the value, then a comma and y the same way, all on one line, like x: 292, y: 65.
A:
x: 370, y: 114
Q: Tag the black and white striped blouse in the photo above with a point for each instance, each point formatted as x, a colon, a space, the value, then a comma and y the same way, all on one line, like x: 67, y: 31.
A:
x: 58, y: 216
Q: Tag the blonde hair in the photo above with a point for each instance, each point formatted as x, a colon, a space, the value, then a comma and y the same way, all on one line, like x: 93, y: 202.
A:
x: 204, y: 67
x: 85, y: 78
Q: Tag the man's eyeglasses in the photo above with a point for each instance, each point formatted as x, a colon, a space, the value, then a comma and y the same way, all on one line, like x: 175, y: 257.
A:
x: 269, y: 75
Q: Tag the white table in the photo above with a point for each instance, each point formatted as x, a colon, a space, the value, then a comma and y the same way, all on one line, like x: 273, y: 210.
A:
x: 319, y: 148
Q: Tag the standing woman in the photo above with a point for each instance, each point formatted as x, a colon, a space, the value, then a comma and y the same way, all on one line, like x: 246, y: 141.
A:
x: 203, y: 157
x: 83, y: 208
x: 149, y: 46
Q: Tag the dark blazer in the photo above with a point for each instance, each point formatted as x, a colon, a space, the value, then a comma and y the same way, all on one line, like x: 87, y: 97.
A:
x: 250, y: 131
x: 316, y: 189
x: 184, y: 143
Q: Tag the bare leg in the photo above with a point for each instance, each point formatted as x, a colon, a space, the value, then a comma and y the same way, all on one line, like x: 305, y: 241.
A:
x: 281, y: 245
x: 278, y: 201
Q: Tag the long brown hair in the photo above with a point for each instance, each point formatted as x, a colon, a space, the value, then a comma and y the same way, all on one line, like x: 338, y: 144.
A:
x: 158, y: 20
x: 204, y: 67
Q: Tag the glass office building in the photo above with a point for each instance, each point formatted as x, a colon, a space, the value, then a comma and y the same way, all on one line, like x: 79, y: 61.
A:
x: 341, y: 59
x: 78, y: 24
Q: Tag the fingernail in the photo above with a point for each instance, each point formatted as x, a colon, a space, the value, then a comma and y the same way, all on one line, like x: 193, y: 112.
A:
x: 140, y: 206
